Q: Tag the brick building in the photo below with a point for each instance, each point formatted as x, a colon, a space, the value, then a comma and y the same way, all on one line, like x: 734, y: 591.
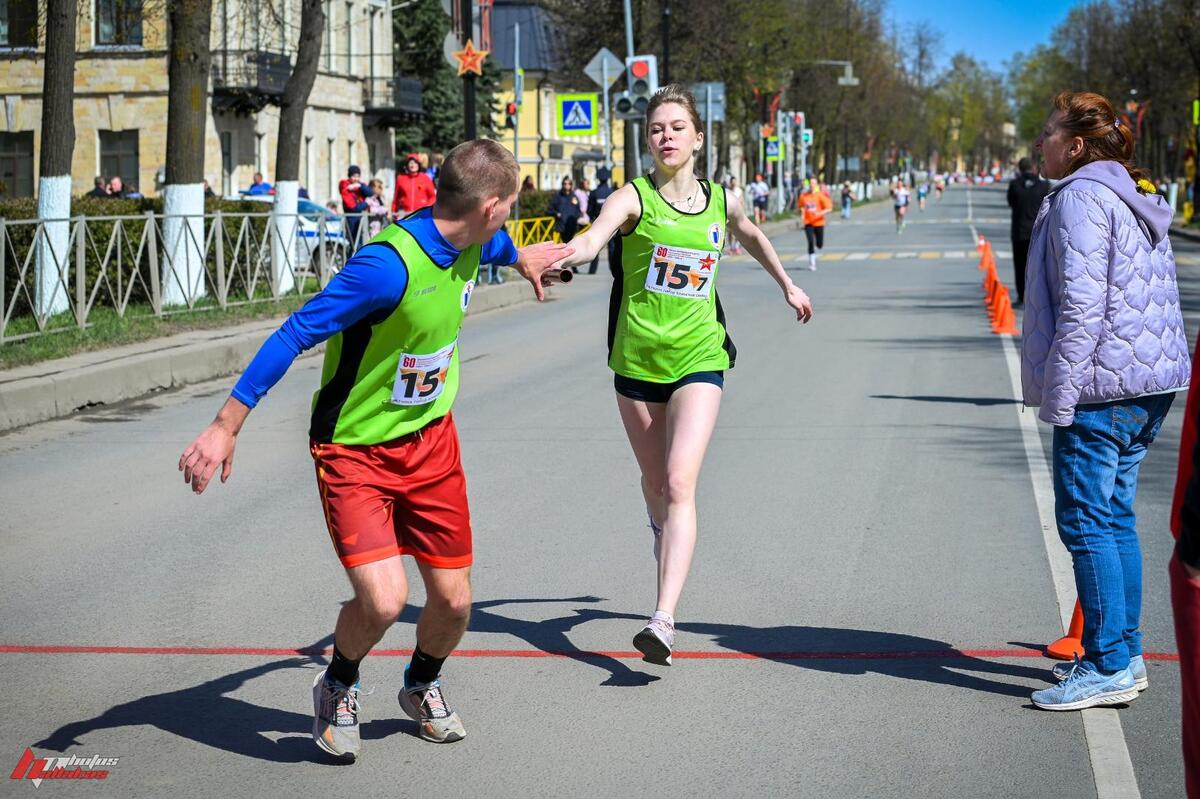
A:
x: 121, y: 94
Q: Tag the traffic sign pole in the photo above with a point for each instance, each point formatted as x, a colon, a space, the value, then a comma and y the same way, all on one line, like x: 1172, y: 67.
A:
x: 607, y: 120
x: 517, y: 99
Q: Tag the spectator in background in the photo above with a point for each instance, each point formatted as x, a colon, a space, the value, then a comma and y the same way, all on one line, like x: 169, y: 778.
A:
x: 759, y: 193
x: 582, y: 193
x: 99, y: 189
x: 116, y: 189
x: 596, y: 202
x: 1025, y: 194
x: 260, y: 186
x: 208, y: 192
x: 354, y: 195
x: 847, y: 199
x: 527, y: 185
x: 434, y: 170
x: 564, y: 207
x: 414, y: 188
x: 377, y: 211
x: 132, y: 192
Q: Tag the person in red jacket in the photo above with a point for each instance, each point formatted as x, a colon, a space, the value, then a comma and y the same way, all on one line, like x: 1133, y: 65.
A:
x: 1185, y: 585
x: 354, y: 202
x: 414, y: 189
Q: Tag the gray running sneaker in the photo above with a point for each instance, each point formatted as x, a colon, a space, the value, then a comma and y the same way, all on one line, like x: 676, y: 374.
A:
x: 1137, y: 665
x: 656, y: 640
x: 335, y: 718
x: 425, y: 704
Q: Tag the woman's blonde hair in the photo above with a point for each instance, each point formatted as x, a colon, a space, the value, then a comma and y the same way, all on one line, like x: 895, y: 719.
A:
x: 674, y: 93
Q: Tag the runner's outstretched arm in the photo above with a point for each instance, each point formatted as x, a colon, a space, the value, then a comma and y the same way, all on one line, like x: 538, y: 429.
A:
x: 537, y: 259
x: 621, y: 207
x: 760, y: 249
x: 371, y: 283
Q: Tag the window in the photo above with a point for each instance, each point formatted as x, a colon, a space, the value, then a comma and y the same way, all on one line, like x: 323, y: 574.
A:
x: 260, y: 154
x: 18, y: 23
x: 226, y: 164
x: 308, y: 164
x: 119, y: 155
x: 119, y: 22
x: 331, y: 182
x: 349, y: 38
x: 16, y: 164
x: 350, y: 159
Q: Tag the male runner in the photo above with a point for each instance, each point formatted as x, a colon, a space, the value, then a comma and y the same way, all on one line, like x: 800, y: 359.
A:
x: 382, y: 435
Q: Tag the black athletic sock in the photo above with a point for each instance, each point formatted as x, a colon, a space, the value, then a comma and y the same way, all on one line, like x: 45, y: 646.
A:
x: 342, y: 668
x: 424, y: 668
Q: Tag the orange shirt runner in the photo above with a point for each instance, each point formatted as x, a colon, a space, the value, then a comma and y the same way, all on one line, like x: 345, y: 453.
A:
x: 815, y: 205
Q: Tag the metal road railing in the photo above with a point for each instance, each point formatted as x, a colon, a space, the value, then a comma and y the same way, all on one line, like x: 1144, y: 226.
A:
x: 62, y: 274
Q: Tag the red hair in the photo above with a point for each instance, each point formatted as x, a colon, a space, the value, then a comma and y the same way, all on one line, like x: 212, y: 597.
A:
x: 1092, y: 118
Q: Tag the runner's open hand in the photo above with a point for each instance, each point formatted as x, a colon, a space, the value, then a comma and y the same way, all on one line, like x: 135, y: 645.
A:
x: 536, y: 260
x: 212, y: 448
x: 800, y: 301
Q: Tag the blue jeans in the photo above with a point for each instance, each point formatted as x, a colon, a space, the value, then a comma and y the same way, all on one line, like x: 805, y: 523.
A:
x: 1096, y: 462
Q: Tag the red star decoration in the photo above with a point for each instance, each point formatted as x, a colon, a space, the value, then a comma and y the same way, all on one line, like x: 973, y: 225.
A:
x: 470, y: 59
x: 707, y: 262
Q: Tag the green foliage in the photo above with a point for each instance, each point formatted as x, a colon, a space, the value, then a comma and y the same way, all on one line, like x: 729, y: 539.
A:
x: 420, y: 30
x: 534, y: 203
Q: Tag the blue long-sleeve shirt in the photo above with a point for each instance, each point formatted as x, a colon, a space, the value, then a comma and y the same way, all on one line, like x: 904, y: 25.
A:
x: 369, y: 287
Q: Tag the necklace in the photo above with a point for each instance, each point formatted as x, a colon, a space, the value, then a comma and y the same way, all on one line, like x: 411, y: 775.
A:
x: 691, y: 201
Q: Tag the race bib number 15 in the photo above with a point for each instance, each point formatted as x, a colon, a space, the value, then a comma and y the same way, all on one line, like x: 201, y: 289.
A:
x: 681, y: 272
x: 420, y: 379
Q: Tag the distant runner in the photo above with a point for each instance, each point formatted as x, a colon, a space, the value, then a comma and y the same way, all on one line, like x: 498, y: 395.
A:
x: 815, y: 205
x: 900, y: 204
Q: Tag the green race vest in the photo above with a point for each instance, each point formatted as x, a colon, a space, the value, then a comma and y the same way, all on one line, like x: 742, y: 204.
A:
x: 385, y: 380
x: 668, y: 322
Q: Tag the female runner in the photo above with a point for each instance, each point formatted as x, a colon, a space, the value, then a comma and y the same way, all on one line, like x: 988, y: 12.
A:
x: 667, y: 340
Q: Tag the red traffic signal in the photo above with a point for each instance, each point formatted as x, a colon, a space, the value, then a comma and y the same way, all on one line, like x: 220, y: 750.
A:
x: 639, y: 68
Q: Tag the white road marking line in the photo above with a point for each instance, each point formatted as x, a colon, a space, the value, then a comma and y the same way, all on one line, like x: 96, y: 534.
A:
x: 954, y: 254
x: 1112, y: 768
x: 858, y: 256
x: 905, y: 255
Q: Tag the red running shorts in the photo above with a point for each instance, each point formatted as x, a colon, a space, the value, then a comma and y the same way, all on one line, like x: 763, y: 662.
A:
x: 403, y: 497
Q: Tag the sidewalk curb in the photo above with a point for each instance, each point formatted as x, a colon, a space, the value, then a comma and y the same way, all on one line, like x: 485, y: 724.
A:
x: 1184, y: 233
x: 54, y: 389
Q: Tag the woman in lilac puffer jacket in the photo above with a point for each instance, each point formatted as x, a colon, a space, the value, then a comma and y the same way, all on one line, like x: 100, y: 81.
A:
x: 1103, y: 353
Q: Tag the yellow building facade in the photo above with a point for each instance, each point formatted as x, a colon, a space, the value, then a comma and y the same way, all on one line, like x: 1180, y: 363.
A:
x: 120, y: 100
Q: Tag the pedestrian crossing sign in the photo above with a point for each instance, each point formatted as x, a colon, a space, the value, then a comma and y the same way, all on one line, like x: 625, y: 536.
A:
x: 577, y: 114
x: 773, y: 148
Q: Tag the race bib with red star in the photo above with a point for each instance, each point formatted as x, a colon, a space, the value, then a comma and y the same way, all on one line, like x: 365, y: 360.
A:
x: 681, y: 272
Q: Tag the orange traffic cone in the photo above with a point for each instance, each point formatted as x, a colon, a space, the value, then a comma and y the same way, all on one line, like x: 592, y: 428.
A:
x: 1006, y: 320
x: 981, y: 246
x: 1071, y: 644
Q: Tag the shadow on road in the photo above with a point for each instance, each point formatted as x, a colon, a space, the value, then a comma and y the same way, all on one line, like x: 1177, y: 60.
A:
x: 207, y: 715
x: 549, y: 635
x: 846, y: 651
x: 981, y: 402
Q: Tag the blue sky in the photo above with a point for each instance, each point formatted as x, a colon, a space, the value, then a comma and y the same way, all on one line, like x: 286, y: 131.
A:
x: 990, y: 30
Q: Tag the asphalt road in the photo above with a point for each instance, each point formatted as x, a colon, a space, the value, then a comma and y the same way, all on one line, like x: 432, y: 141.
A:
x: 870, y: 579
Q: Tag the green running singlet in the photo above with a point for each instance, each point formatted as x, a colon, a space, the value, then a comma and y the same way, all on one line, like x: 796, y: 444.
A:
x: 386, y: 380
x: 665, y: 319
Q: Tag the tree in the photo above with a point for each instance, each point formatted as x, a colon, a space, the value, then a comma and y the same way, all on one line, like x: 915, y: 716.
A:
x: 189, y: 62
x: 287, y: 149
x: 58, y: 144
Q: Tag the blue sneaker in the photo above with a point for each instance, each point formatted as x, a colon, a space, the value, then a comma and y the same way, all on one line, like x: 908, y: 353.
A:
x: 1137, y: 665
x: 1085, y: 687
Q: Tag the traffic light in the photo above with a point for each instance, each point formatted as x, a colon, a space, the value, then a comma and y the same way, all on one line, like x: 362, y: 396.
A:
x: 510, y: 115
x: 641, y: 81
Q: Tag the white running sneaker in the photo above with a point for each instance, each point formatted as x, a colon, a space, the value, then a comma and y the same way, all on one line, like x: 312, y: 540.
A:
x: 425, y: 704
x: 657, y: 639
